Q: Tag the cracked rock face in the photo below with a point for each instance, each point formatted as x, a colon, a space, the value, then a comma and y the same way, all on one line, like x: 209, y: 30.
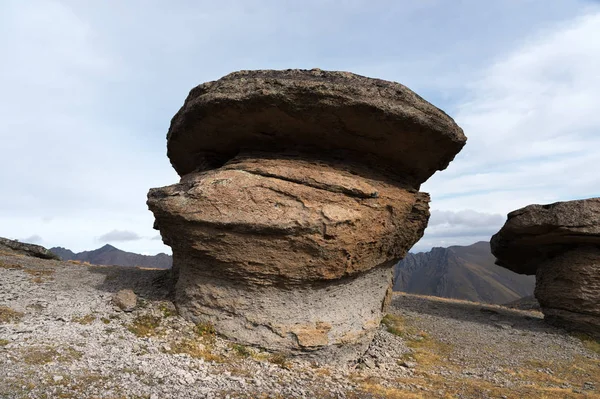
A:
x: 560, y: 244
x: 291, y: 210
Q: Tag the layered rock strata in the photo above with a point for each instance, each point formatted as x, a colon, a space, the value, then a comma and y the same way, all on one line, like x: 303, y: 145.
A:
x: 560, y: 244
x: 299, y: 192
x: 21, y: 248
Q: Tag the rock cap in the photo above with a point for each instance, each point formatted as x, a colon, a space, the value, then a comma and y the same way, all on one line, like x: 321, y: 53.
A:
x: 535, y: 233
x: 383, y: 123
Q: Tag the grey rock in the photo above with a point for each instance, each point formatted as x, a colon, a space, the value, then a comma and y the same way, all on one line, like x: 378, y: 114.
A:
x: 125, y: 299
x: 327, y: 110
x: 22, y: 248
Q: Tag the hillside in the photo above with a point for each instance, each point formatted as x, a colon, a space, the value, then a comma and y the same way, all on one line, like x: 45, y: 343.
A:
x: 461, y: 272
x: 109, y: 255
x: 62, y: 337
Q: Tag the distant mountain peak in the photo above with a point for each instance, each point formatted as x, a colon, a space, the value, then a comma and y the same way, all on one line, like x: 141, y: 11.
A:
x: 461, y: 272
x: 107, y: 247
x: 110, y: 255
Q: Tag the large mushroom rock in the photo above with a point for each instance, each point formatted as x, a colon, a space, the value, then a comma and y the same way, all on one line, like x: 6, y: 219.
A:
x: 560, y: 244
x: 299, y: 192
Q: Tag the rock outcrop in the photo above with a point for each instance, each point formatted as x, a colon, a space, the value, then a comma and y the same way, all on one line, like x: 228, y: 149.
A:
x: 299, y: 192
x: 21, y: 248
x: 560, y: 244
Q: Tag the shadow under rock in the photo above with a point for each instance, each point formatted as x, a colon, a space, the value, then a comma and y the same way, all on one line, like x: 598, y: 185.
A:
x: 494, y: 315
x: 152, y: 284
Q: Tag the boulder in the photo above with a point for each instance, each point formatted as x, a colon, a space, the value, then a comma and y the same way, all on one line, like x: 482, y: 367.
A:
x: 299, y: 192
x: 21, y: 248
x: 126, y: 300
x: 560, y: 244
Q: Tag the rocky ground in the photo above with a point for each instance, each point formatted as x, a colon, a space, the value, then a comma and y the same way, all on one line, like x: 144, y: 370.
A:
x: 62, y: 337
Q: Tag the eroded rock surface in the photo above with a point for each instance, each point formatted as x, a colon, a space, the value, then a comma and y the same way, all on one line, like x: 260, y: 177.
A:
x: 560, y: 244
x: 299, y: 192
x: 379, y: 122
x: 37, y: 251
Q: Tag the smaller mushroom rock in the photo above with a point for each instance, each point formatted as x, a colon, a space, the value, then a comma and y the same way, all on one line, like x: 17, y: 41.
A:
x: 560, y: 244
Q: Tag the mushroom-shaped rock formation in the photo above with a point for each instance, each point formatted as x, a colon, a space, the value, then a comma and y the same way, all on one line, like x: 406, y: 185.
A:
x: 298, y: 194
x: 560, y: 244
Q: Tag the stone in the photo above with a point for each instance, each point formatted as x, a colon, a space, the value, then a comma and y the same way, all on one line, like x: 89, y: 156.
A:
x: 126, y: 300
x: 560, y: 244
x: 298, y: 194
x: 382, y: 123
x: 21, y: 248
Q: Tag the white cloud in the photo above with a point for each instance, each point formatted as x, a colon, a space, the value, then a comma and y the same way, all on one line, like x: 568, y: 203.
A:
x: 119, y: 235
x: 532, y: 123
x: 34, y: 239
x: 467, y: 218
x: 463, y: 227
x: 85, y: 104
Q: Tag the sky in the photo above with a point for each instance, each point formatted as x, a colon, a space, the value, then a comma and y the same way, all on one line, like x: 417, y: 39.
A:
x: 88, y: 90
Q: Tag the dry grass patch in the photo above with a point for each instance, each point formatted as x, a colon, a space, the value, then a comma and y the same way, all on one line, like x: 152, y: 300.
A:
x: 448, y: 388
x: 8, y: 315
x: 40, y: 275
x: 10, y: 253
x: 75, y: 386
x: 589, y: 342
x: 394, y: 324
x: 167, y: 309
x: 46, y: 354
x: 79, y: 263
x: 427, y: 351
x: 9, y: 266
x: 84, y: 320
x: 279, y: 358
x: 4, y: 342
x: 197, y: 349
x: 371, y: 387
x: 577, y: 372
x: 536, y: 379
x: 144, y: 325
x: 205, y: 329
x: 241, y: 350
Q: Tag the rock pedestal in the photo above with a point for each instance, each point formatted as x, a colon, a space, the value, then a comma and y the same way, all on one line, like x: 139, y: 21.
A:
x: 560, y: 244
x: 299, y: 192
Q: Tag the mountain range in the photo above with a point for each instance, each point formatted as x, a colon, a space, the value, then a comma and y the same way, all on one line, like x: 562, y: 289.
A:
x: 461, y: 272
x: 109, y: 255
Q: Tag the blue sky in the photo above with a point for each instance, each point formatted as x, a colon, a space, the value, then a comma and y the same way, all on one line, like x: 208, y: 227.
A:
x: 89, y: 88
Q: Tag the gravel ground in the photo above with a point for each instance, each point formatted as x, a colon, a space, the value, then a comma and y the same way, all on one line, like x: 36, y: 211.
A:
x: 62, y: 337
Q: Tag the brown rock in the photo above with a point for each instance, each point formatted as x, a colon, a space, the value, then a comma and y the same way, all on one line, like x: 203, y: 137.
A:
x: 383, y: 123
x: 560, y: 244
x: 287, y: 221
x: 126, y: 300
